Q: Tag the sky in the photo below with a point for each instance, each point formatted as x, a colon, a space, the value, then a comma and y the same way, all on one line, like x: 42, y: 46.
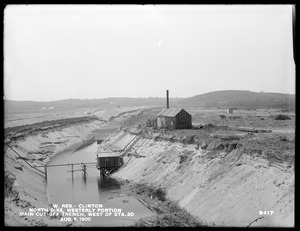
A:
x: 54, y: 52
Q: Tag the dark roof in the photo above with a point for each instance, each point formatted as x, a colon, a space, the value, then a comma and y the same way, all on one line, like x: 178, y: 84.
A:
x: 170, y: 112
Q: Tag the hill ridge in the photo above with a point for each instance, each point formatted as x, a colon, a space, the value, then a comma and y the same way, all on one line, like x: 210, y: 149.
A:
x: 241, y: 98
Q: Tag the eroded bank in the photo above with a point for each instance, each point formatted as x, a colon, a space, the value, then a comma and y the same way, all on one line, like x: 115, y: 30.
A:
x: 222, y: 186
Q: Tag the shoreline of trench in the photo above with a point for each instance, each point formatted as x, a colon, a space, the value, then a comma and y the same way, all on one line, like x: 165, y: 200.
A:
x: 166, y: 213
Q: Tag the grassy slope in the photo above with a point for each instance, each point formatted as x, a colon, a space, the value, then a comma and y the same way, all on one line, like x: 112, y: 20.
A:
x: 237, y: 98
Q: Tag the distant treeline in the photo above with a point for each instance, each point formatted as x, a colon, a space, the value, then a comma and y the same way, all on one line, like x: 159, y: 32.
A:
x: 228, y: 98
x: 69, y: 104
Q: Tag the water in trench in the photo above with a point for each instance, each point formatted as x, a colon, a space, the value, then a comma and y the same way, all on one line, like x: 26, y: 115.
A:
x: 62, y: 188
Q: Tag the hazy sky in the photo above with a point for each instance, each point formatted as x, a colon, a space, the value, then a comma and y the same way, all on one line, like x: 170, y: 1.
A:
x: 56, y: 52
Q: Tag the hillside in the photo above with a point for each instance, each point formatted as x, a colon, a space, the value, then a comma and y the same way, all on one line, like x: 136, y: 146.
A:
x: 71, y: 104
x: 244, y: 99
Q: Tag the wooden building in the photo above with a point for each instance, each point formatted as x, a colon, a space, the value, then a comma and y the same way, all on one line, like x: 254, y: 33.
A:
x: 109, y: 160
x: 107, y: 163
x: 230, y: 110
x: 174, y: 118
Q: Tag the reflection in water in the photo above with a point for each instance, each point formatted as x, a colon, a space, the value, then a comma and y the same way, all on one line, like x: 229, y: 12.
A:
x: 84, y: 180
x: 84, y: 173
x: 107, y: 184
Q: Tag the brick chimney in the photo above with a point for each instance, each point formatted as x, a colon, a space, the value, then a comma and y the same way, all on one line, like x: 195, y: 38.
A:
x: 167, y: 99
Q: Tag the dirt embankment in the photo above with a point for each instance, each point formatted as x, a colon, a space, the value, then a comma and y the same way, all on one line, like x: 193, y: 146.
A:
x: 220, y: 181
x: 33, y: 145
x: 23, y: 131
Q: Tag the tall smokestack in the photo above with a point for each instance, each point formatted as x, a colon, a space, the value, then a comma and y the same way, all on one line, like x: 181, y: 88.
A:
x: 167, y: 99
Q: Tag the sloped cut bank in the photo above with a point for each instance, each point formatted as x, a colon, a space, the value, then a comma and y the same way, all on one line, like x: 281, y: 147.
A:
x: 24, y: 185
x: 219, y: 188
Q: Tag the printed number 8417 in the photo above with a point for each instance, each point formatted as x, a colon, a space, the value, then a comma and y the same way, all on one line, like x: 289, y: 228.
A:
x: 266, y: 212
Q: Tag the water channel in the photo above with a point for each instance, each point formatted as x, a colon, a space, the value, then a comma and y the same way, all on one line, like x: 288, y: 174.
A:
x: 62, y: 188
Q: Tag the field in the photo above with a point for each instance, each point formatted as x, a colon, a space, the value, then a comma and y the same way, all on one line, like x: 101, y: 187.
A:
x: 259, y: 118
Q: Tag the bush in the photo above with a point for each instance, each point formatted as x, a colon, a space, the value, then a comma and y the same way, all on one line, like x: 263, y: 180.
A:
x: 234, y: 117
x: 189, y: 139
x: 182, y: 159
x: 282, y: 117
x: 160, y: 194
x: 230, y: 137
x: 8, y: 183
x: 284, y: 139
x: 157, y: 138
x: 209, y: 126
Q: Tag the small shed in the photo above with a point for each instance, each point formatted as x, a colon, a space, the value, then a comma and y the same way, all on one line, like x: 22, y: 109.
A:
x: 230, y: 110
x: 174, y: 118
x: 109, y: 160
